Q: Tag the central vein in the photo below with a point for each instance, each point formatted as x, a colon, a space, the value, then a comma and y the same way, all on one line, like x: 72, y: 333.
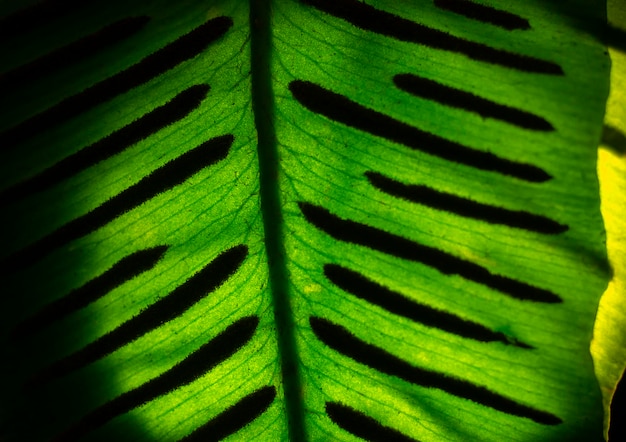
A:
x: 263, y: 106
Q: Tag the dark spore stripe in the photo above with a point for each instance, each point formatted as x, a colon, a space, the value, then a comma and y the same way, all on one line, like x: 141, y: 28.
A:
x: 363, y: 426
x: 122, y: 271
x: 484, y: 13
x: 448, y: 96
x: 174, y: 110
x: 341, y: 340
x: 614, y: 139
x: 161, y: 180
x: 162, y: 311
x: 235, y: 417
x: 185, y: 372
x: 465, y: 207
x: 612, y: 36
x: 37, y: 15
x: 182, y: 49
x: 371, y: 19
x: 393, y: 302
x: 379, y: 240
x: 72, y: 53
x: 343, y: 110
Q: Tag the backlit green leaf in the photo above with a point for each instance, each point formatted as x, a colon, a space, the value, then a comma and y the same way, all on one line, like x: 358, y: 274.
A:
x: 301, y: 220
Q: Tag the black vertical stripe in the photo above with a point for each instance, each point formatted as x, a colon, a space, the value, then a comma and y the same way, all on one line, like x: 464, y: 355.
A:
x: 484, y: 13
x: 393, y: 302
x: 234, y: 418
x: 161, y: 180
x: 162, y: 311
x: 465, y: 207
x: 371, y: 19
x: 220, y: 348
x: 343, y: 110
x: 90, y: 45
x: 174, y: 110
x: 341, y: 340
x: 182, y: 49
x: 448, y: 96
x: 363, y: 426
x: 614, y: 139
x: 610, y: 35
x: 122, y: 271
x: 446, y: 263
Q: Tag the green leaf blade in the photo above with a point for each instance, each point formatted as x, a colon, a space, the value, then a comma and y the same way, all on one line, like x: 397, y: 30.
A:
x: 412, y: 189
x: 328, y: 152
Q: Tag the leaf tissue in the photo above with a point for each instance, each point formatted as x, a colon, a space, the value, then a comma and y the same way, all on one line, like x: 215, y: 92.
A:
x: 300, y: 220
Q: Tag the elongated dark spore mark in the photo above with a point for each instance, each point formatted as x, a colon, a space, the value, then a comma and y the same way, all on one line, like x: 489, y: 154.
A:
x: 235, y: 417
x: 205, y: 358
x: 122, y: 271
x: 612, y: 36
x: 343, y: 110
x: 72, y: 53
x: 465, y: 207
x: 379, y: 240
x: 37, y: 15
x: 448, y: 96
x: 375, y: 20
x: 484, y: 13
x: 164, y: 310
x: 341, y: 340
x: 161, y: 180
x: 393, y: 302
x: 614, y: 139
x: 166, y: 58
x: 174, y: 110
x: 363, y: 426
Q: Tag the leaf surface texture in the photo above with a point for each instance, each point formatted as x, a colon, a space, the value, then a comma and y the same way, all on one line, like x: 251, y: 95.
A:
x: 301, y: 220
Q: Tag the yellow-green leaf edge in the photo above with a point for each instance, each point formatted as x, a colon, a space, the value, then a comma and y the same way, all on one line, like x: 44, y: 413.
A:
x: 608, y: 347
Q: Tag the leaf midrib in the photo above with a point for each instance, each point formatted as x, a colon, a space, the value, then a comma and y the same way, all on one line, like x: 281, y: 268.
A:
x: 263, y: 108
